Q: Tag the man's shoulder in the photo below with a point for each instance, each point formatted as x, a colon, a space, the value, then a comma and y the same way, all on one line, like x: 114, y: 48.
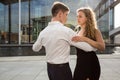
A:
x: 44, y: 30
x: 68, y: 29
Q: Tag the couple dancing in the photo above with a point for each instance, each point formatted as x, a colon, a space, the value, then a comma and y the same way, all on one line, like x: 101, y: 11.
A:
x: 57, y: 39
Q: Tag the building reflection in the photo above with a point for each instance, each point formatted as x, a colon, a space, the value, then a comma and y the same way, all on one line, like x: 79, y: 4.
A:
x: 35, y: 15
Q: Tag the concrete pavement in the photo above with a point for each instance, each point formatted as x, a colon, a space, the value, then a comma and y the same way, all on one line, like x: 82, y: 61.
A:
x: 34, y: 67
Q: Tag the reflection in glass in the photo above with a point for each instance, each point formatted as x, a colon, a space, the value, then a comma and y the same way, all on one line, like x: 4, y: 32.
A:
x: 24, y: 22
x: 3, y: 23
x: 35, y: 15
x: 14, y: 23
x: 103, y: 25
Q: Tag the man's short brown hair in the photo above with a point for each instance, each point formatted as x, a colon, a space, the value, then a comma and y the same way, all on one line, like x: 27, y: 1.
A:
x: 57, y: 6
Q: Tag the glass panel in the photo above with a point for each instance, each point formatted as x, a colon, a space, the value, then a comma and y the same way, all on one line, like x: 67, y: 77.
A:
x: 103, y: 25
x: 107, y: 4
x: 111, y: 16
x: 24, y: 21
x: 9, y: 22
x: 14, y: 22
x: 3, y: 23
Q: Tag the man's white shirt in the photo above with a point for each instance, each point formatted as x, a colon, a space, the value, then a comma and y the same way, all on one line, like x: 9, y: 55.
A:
x: 56, y: 38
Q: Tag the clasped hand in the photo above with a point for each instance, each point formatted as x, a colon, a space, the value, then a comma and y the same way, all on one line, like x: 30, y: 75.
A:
x: 78, y: 39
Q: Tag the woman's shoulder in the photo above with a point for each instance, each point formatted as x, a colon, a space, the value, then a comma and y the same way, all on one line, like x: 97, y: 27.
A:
x: 97, y: 31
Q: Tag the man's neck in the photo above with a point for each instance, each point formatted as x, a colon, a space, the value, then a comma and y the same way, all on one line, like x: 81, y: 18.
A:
x: 54, y: 19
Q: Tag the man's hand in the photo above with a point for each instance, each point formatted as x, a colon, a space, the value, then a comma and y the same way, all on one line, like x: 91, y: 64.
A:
x: 78, y: 39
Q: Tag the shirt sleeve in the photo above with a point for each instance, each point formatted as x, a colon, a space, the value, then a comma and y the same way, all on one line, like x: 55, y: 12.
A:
x: 81, y: 45
x: 38, y: 44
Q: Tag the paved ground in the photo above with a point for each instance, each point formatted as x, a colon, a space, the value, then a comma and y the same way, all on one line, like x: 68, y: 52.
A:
x: 34, y: 67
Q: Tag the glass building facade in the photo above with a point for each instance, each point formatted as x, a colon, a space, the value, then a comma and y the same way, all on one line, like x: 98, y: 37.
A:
x: 34, y: 14
x: 107, y: 16
x: 22, y: 20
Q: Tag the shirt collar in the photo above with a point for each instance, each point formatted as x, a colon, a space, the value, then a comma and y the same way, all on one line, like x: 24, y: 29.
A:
x: 55, y: 22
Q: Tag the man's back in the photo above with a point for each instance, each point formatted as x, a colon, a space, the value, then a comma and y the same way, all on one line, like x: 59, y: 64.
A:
x: 55, y: 40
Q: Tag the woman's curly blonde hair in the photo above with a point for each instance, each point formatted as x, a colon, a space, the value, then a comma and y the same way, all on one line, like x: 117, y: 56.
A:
x: 91, y: 24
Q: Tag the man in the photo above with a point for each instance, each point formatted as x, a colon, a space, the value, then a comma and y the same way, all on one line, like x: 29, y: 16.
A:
x: 56, y: 38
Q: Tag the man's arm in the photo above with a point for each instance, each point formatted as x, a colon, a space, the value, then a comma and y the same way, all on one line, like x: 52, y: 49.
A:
x: 37, y: 45
x: 82, y: 45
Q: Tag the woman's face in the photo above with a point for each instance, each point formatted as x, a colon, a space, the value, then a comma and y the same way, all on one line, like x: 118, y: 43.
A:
x: 81, y: 18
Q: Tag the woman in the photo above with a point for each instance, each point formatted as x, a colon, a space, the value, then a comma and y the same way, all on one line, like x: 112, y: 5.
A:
x: 88, y: 67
